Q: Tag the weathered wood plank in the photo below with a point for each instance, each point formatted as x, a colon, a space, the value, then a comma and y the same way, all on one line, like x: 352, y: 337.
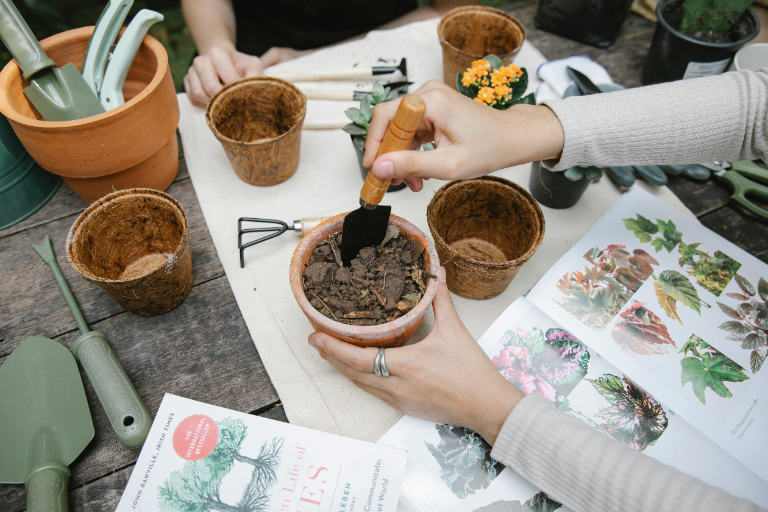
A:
x: 741, y: 228
x: 201, y: 350
x: 700, y: 198
x: 30, y: 301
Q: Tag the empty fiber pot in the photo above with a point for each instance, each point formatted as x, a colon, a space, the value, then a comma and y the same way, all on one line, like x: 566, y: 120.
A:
x: 258, y: 122
x: 485, y: 230
x: 131, y: 146
x: 391, y: 334
x: 134, y: 244
x: 470, y: 33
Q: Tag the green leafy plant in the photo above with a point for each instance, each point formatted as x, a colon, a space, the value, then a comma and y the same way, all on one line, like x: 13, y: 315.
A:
x: 640, y: 331
x: 749, y: 326
x: 576, y: 173
x: 672, y: 287
x: 644, y: 228
x: 539, y: 502
x: 492, y: 83
x: 712, y: 273
x: 466, y: 465
x: 706, y: 367
x: 361, y: 117
x: 711, y: 15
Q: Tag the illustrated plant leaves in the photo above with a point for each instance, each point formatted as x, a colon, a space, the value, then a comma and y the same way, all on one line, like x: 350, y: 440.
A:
x: 540, y: 503
x: 644, y: 255
x: 667, y: 303
x: 728, y: 310
x: 708, y: 368
x: 735, y: 327
x: 737, y: 296
x: 640, y: 331
x: 641, y: 227
x: 593, y: 299
x: 754, y: 340
x: 640, y: 268
x: 762, y: 289
x: 745, y: 285
x: 713, y: 273
x: 756, y: 361
x: 679, y: 288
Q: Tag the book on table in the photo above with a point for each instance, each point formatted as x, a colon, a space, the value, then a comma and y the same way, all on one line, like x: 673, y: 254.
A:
x: 202, y: 457
x: 652, y: 330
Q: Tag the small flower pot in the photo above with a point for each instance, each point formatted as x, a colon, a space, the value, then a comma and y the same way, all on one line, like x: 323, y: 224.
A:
x: 553, y: 189
x: 131, y: 146
x: 134, y: 244
x: 258, y: 122
x: 391, y: 334
x: 364, y: 170
x: 470, y: 33
x: 485, y: 230
x: 674, y: 55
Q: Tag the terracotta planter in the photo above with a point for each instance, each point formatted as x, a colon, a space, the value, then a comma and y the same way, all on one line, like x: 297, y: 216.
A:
x: 392, y: 334
x: 133, y: 145
x: 258, y: 122
x: 134, y: 244
x: 485, y: 230
x: 470, y: 33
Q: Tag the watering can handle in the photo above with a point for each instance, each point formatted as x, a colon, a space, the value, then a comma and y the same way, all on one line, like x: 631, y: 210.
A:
x: 20, y: 41
x: 129, y: 418
x: 47, y: 488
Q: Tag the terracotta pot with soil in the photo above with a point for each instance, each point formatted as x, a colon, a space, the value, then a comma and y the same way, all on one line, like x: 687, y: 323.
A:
x: 134, y: 244
x: 485, y: 230
x: 133, y: 145
x: 470, y: 33
x: 380, y: 299
x: 258, y: 122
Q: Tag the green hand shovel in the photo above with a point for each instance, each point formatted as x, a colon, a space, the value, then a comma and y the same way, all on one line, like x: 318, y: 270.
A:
x: 129, y: 418
x: 45, y: 421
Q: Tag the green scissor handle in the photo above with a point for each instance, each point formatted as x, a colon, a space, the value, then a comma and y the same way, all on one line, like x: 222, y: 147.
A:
x: 740, y: 178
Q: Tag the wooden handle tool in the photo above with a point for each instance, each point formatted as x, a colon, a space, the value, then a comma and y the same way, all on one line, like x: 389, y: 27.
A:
x: 398, y: 137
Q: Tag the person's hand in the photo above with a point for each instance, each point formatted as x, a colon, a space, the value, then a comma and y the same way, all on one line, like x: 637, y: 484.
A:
x: 219, y: 66
x: 276, y: 55
x: 471, y: 139
x: 446, y: 378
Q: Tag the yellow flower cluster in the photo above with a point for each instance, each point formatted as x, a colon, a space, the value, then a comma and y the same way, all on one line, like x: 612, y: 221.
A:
x: 493, y: 85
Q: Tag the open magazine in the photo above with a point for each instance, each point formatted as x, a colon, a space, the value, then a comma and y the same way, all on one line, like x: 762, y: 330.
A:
x: 652, y: 330
x: 202, y: 457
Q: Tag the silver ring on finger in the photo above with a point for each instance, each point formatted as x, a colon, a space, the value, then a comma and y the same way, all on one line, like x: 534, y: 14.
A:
x: 382, y: 364
x: 377, y: 363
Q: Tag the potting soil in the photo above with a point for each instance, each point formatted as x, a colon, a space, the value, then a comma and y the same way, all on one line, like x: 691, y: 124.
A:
x: 381, y: 284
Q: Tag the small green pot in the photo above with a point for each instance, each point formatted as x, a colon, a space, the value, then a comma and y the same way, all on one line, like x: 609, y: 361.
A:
x: 364, y: 170
x: 24, y: 186
x: 553, y: 189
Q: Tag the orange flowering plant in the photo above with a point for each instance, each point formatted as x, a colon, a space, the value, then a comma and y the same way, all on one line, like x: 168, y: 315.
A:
x: 492, y: 83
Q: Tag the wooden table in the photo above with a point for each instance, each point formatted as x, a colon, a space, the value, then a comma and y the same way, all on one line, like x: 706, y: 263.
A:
x: 202, y: 349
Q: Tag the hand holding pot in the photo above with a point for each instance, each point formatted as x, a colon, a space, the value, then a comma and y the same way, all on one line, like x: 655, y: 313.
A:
x: 471, y: 139
x: 445, y: 378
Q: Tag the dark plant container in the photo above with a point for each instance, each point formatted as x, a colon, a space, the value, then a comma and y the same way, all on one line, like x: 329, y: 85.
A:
x: 595, y: 22
x: 553, y: 189
x: 364, y: 171
x: 674, y: 55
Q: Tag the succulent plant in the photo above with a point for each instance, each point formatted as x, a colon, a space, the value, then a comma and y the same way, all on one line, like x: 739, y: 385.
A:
x: 576, y: 173
x: 711, y: 15
x: 361, y: 117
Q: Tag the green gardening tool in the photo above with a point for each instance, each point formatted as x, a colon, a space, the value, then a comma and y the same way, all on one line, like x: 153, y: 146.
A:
x: 129, y: 418
x: 746, y: 179
x: 59, y: 94
x: 45, y: 422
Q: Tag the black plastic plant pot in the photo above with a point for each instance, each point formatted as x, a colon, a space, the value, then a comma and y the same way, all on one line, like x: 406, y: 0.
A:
x: 675, y: 56
x: 364, y: 171
x: 553, y: 189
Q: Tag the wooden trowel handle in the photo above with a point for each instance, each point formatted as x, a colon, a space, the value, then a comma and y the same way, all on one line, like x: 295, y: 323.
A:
x: 398, y: 137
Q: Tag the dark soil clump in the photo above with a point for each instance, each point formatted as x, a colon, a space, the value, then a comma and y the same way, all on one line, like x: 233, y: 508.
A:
x: 383, y: 283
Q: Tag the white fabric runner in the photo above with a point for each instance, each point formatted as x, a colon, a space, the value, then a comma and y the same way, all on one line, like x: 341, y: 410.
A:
x: 328, y: 182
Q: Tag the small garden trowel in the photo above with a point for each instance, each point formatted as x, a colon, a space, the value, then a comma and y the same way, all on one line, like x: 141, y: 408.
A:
x: 367, y: 226
x: 59, y: 94
x: 129, y: 418
x: 45, y: 421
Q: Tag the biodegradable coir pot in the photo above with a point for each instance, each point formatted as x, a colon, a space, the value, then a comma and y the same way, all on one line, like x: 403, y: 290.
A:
x: 134, y: 244
x: 391, y: 334
x: 133, y: 145
x: 472, y: 32
x: 258, y: 122
x: 485, y: 230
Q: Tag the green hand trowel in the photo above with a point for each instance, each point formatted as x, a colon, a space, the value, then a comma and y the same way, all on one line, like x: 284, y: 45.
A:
x: 45, y: 421
x: 129, y: 418
x: 59, y: 94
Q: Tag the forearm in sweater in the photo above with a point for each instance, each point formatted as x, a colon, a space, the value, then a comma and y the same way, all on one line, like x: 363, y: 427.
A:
x: 589, y: 472
x: 692, y: 121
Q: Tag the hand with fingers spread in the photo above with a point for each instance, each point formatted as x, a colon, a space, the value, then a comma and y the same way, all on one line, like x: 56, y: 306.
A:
x: 445, y: 378
x: 471, y: 139
x: 219, y: 66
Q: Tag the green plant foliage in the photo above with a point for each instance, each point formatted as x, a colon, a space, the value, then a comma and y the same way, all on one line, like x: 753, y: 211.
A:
x: 711, y: 15
x: 593, y: 297
x: 644, y: 228
x: 641, y: 227
x: 677, y: 288
x: 578, y: 172
x: 465, y: 460
x: 712, y: 273
x: 361, y: 117
x: 518, y: 87
x: 652, y: 174
x: 706, y: 367
x: 540, y: 503
x: 749, y: 326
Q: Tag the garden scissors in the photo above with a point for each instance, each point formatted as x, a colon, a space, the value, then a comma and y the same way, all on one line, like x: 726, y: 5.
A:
x: 745, y: 179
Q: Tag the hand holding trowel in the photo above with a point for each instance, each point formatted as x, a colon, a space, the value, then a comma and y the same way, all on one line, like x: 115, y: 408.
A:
x: 129, y: 418
x: 367, y: 226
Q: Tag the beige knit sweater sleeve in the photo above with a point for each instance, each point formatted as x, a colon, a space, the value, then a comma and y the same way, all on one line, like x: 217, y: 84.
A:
x: 589, y: 472
x: 722, y: 117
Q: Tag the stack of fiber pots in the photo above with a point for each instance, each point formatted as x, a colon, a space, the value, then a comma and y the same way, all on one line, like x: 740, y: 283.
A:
x: 485, y: 230
x: 470, y: 33
x: 133, y: 145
